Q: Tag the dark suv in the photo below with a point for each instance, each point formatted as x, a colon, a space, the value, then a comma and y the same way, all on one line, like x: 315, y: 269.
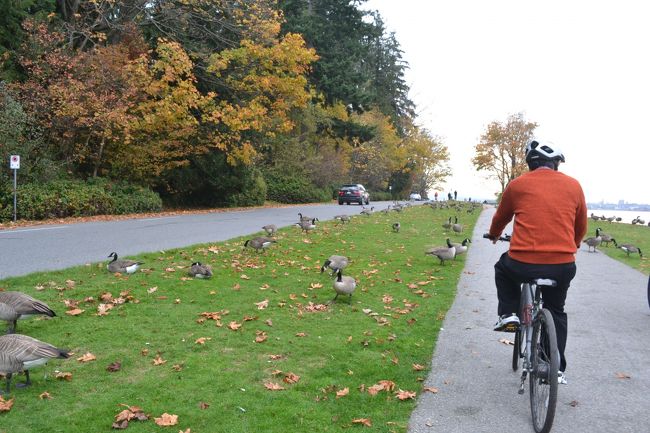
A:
x: 353, y: 193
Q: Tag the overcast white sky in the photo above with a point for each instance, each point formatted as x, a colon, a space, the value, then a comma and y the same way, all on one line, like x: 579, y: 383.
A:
x: 579, y: 68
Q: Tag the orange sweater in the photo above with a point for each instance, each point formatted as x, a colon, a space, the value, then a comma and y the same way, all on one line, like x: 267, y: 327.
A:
x: 550, y: 217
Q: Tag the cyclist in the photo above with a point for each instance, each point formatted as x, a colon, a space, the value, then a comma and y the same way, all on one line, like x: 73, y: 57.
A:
x: 550, y: 220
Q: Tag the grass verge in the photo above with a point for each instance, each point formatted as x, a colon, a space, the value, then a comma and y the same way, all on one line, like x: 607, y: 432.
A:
x: 268, y: 326
x: 638, y: 235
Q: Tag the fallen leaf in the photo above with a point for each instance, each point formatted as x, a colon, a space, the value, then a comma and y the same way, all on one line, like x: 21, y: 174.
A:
x: 202, y: 340
x: 185, y: 431
x: 234, y: 325
x: 262, y: 304
x: 622, y: 376
x: 269, y: 322
x: 152, y: 289
x: 261, y: 336
x: 405, y: 395
x: 87, y: 357
x: 44, y: 395
x: 203, y: 405
x: 144, y: 352
x: 301, y: 334
x: 272, y: 386
x: 430, y: 389
x: 177, y: 367
x: 363, y: 421
x: 245, y: 277
x: 418, y: 367
x: 291, y: 378
x: 342, y: 393
x: 158, y: 360
x: 64, y: 375
x: 5, y: 405
x: 74, y: 312
x: 506, y: 341
x: 573, y: 403
x: 114, y: 366
x: 166, y: 419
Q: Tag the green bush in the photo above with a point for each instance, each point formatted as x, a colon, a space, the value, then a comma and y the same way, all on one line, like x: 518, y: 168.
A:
x: 294, y: 189
x: 74, y: 198
x: 380, y: 196
x: 253, y: 191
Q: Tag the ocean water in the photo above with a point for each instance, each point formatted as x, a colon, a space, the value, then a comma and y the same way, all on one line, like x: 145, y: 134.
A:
x: 626, y: 215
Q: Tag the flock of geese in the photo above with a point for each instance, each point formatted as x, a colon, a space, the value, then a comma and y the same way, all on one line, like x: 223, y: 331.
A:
x: 604, y: 238
x: 637, y: 220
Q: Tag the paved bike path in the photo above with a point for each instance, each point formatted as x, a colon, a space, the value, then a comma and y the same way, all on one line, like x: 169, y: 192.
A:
x: 609, y: 334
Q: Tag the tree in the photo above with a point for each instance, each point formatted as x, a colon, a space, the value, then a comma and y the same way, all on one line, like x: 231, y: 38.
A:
x: 502, y: 149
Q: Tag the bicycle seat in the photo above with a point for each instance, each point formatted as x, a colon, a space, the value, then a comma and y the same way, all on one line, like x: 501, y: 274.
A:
x: 545, y: 282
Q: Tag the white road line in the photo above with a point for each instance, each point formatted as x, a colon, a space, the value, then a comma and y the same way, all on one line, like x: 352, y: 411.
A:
x: 2, y: 232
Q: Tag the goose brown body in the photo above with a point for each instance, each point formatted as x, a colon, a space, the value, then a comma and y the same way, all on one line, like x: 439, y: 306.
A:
x: 16, y: 305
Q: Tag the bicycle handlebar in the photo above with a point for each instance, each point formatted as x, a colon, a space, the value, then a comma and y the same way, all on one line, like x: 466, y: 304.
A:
x: 505, y: 238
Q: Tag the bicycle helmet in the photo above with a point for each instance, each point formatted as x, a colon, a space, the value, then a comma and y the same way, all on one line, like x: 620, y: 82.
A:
x: 543, y: 150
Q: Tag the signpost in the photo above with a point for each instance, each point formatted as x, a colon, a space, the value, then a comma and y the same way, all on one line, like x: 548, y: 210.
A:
x: 14, y: 164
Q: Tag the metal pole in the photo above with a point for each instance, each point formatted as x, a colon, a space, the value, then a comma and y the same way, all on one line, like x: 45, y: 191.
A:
x: 15, y: 175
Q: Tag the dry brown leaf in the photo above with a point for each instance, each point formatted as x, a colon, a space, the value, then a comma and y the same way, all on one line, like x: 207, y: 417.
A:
x: 405, y: 395
x: 114, y: 366
x: 622, y: 376
x: 301, y: 334
x: 177, y: 367
x: 315, y: 285
x: 166, y: 419
x: 343, y: 392
x: 272, y: 386
x: 276, y: 357
x: 234, y: 325
x: 202, y: 340
x: 74, y: 312
x: 430, y: 389
x: 363, y: 421
x: 44, y: 395
x: 203, y: 405
x: 185, y: 431
x: 87, y: 357
x: 506, y: 341
x: 387, y: 299
x: 244, y: 277
x: 64, y: 375
x: 144, y: 352
x: 269, y: 322
x: 291, y: 378
x: 152, y: 289
x: 418, y: 367
x: 262, y: 304
x: 158, y: 360
x: 5, y: 405
x: 261, y: 336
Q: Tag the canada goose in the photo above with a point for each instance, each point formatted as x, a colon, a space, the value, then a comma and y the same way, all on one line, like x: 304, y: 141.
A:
x: 386, y: 210
x: 259, y: 243
x: 447, y: 225
x: 618, y: 219
x: 342, y: 218
x: 593, y: 241
x: 305, y: 218
x: 457, y: 227
x: 629, y: 248
x: 367, y: 211
x: 461, y: 248
x: 199, y: 270
x: 344, y: 286
x: 640, y: 221
x: 270, y: 229
x: 396, y: 226
x: 443, y: 253
x: 122, y: 266
x: 594, y: 217
x: 335, y: 263
x: 17, y: 305
x: 606, y: 239
x: 307, y: 226
x: 21, y: 353
x: 611, y: 218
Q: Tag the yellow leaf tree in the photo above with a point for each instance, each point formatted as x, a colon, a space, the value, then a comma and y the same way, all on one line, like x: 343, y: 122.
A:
x: 501, y: 150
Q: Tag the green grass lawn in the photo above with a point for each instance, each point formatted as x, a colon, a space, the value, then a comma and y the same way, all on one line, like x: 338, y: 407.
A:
x: 638, y: 235
x: 215, y: 378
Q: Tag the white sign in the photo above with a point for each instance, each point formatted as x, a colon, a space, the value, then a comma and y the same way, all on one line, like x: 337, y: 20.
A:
x: 14, y: 162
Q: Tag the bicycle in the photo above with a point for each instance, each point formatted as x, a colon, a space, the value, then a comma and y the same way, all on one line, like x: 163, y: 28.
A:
x: 536, y: 345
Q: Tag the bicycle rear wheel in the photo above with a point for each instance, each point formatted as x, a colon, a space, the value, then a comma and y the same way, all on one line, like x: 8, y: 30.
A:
x: 545, y: 360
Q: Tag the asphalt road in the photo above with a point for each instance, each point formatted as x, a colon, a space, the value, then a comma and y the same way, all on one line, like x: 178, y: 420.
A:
x: 609, y: 337
x: 53, y: 247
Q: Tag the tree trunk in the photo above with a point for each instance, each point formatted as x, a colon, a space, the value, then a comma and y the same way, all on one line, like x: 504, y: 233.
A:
x: 99, y: 156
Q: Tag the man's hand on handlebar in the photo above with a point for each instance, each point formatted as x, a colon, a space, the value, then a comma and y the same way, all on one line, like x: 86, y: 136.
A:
x: 494, y: 239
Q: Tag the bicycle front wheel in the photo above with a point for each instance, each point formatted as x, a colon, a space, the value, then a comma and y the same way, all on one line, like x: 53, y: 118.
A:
x: 545, y: 361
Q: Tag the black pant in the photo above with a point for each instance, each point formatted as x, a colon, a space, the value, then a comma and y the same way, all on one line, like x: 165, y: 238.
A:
x: 510, y: 273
